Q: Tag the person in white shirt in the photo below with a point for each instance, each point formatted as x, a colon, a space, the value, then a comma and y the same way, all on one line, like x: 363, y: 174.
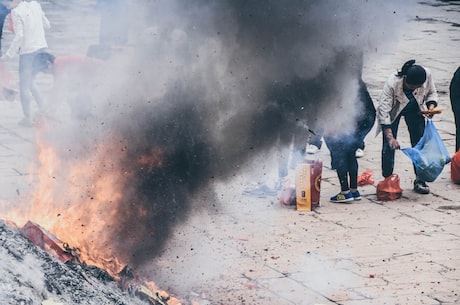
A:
x: 29, y: 24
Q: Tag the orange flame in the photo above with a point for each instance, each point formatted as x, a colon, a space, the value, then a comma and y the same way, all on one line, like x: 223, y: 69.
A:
x: 77, y: 199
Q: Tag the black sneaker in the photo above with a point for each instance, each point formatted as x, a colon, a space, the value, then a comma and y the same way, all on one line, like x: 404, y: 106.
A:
x: 421, y: 187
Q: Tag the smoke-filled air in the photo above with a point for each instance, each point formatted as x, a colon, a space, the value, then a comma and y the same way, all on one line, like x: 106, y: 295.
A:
x: 202, y: 90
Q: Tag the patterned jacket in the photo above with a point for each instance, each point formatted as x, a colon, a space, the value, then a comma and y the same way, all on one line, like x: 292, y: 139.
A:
x: 393, y: 99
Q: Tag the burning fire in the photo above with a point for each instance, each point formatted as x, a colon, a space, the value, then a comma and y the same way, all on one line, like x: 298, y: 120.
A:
x: 76, y: 200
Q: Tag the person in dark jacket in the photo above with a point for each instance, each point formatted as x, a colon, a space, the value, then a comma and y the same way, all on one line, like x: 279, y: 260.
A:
x: 454, y: 91
x: 343, y: 146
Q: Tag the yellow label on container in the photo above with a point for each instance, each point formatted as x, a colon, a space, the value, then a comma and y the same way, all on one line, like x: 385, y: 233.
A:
x: 303, y: 187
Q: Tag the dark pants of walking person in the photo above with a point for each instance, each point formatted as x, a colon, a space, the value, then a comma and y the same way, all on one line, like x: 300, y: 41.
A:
x: 343, y: 159
x: 343, y: 146
x: 26, y: 83
x: 416, y: 125
x: 454, y: 91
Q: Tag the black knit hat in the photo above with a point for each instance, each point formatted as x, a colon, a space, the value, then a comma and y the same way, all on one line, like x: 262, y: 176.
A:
x: 416, y: 75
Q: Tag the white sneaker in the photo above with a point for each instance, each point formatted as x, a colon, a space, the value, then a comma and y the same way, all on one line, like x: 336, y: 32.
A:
x: 311, y: 149
x: 359, y: 153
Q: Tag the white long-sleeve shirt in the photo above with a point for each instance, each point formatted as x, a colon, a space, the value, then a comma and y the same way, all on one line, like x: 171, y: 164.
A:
x: 29, y: 23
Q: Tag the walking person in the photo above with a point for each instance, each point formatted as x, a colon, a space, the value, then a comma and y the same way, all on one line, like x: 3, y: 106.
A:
x: 405, y: 94
x: 454, y: 92
x: 343, y: 145
x: 29, y: 23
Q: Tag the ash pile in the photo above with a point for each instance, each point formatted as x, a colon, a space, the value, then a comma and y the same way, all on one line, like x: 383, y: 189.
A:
x: 32, y: 273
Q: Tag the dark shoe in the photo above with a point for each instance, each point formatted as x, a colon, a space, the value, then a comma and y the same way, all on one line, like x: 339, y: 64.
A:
x: 356, y: 195
x: 421, y: 187
x: 342, y: 198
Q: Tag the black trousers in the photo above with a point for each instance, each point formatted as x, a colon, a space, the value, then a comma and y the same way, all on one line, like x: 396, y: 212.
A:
x: 455, y: 102
x: 415, y: 122
x: 343, y: 159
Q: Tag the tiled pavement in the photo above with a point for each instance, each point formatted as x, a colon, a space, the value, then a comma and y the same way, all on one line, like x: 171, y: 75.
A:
x: 255, y: 251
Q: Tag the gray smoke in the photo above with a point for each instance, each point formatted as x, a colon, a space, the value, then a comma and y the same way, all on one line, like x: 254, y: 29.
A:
x: 209, y: 85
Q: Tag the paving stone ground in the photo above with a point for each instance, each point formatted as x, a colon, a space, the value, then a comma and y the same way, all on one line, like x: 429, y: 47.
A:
x: 255, y: 251
x: 372, y: 252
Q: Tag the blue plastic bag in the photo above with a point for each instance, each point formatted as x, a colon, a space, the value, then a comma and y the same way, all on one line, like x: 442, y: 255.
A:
x: 429, y: 155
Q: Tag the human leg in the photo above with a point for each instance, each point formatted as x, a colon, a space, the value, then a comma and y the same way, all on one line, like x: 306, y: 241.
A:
x: 454, y: 93
x: 457, y: 130
x: 353, y: 172
x: 339, y: 149
x: 416, y: 126
x: 344, y: 195
x: 37, y: 96
x: 342, y: 174
x: 455, y: 102
x: 353, y: 175
x: 25, y: 78
x: 388, y: 153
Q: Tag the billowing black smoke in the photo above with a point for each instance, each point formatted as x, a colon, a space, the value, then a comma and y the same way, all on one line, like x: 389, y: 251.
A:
x: 212, y: 84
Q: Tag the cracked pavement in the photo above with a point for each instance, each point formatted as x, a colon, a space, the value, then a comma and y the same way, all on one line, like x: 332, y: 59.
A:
x: 255, y: 251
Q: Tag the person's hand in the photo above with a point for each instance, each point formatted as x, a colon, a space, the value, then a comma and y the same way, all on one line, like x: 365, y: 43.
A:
x: 430, y: 114
x: 431, y: 111
x: 393, y: 143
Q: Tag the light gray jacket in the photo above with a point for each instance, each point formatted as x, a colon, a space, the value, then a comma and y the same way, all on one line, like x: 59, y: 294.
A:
x: 393, y: 99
